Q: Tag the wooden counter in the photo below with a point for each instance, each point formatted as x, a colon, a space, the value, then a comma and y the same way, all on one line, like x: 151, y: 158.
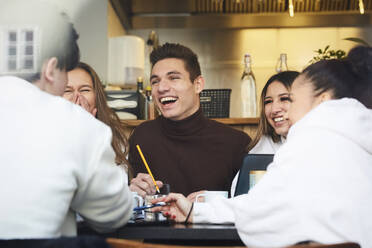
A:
x: 227, y: 121
x: 248, y: 125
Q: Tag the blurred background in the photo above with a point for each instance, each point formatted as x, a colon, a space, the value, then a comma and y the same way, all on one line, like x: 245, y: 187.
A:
x: 219, y: 31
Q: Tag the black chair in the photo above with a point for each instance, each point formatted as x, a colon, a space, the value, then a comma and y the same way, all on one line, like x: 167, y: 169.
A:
x: 251, y: 162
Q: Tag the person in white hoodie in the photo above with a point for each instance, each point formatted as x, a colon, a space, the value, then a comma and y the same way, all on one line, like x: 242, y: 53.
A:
x: 56, y: 159
x: 319, y: 186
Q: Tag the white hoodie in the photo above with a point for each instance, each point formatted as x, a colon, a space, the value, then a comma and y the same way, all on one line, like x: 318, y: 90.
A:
x: 319, y: 186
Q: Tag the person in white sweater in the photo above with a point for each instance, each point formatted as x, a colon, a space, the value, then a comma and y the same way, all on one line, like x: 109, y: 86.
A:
x: 273, y: 126
x: 319, y: 185
x: 56, y: 159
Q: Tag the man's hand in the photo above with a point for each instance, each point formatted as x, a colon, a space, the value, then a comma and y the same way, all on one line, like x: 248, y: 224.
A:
x: 143, y: 185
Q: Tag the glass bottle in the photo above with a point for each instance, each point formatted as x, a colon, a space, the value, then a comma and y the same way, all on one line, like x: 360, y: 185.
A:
x: 248, y: 90
x: 281, y: 65
x: 150, y: 106
x: 148, y: 93
x: 139, y: 84
x: 141, y: 99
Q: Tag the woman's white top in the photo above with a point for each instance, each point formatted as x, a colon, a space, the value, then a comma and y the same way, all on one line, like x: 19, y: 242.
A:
x: 318, y: 187
x: 265, y: 145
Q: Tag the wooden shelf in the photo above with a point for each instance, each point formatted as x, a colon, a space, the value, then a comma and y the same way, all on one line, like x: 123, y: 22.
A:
x: 227, y: 121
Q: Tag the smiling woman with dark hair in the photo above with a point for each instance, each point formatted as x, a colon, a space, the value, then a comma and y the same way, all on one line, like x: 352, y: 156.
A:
x: 274, y: 124
x: 319, y: 185
x: 274, y: 104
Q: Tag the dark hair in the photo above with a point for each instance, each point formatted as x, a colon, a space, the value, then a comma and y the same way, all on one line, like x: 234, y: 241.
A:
x: 264, y: 128
x: 333, y: 75
x: 68, y: 59
x: 172, y: 50
x: 349, y: 77
x: 361, y: 59
x: 71, y: 58
x: 52, y: 32
x: 105, y: 114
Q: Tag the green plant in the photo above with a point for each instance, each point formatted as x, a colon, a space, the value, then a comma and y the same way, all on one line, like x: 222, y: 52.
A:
x: 357, y: 40
x: 326, y: 53
x: 335, y: 54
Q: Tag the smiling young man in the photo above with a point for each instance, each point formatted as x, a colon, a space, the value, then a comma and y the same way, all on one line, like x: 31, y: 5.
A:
x: 183, y: 147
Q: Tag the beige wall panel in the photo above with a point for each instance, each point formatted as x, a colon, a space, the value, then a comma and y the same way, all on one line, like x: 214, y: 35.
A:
x: 114, y: 27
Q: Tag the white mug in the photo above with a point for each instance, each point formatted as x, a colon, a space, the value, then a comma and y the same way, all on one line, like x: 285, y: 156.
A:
x: 255, y: 176
x: 209, y: 195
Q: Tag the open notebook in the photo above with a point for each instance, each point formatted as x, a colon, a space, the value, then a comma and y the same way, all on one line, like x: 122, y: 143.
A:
x: 251, y: 162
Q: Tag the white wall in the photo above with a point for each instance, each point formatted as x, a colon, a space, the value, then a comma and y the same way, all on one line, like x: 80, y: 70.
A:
x: 91, y: 25
x: 90, y: 21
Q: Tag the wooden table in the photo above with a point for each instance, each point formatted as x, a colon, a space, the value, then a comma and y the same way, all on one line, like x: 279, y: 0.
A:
x: 248, y: 125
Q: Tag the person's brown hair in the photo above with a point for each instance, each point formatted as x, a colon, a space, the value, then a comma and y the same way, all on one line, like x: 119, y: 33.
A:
x: 105, y: 114
x: 264, y: 128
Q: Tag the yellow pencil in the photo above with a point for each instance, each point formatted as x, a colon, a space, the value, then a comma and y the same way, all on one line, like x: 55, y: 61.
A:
x: 147, y: 167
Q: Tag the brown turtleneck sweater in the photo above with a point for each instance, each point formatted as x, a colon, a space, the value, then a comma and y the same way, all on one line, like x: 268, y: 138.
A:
x: 191, y: 155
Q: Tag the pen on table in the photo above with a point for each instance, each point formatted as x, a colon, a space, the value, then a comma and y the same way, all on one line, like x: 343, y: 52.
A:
x: 149, y: 206
x: 148, y: 168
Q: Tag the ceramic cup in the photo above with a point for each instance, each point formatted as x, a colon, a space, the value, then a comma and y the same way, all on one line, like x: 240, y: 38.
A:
x: 209, y: 195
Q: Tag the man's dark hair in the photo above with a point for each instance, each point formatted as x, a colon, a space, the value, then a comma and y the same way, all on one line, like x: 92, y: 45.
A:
x: 48, y: 31
x: 71, y: 58
x: 172, y: 50
x: 68, y: 59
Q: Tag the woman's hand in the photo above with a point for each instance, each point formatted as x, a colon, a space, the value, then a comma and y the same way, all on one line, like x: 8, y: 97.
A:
x: 177, y: 208
x: 83, y: 102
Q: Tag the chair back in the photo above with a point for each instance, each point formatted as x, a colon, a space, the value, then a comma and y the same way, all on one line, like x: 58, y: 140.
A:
x: 251, y: 162
x: 317, y: 245
x: 124, y: 243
